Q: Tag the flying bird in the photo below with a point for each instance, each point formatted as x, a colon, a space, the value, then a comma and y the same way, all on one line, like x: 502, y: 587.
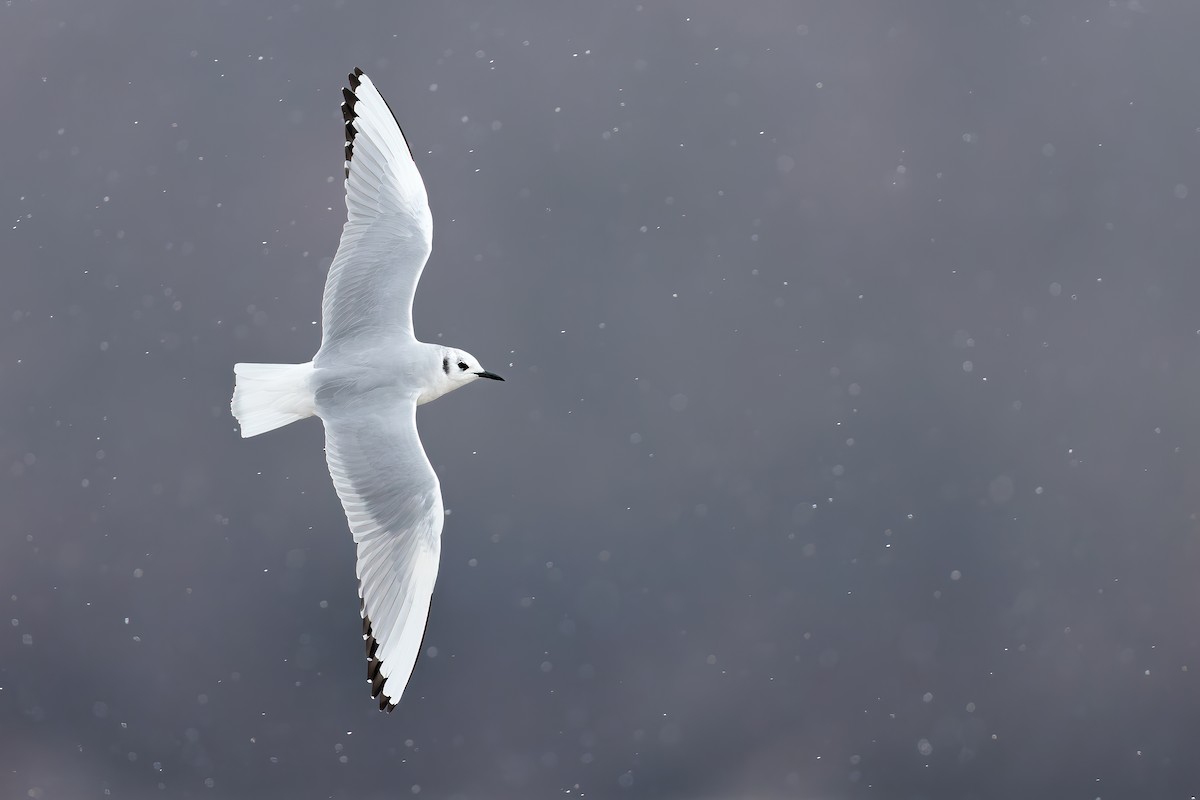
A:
x: 365, y: 383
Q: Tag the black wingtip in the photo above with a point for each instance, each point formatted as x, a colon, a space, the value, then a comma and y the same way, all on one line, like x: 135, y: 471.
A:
x: 349, y: 100
x: 374, y: 665
x: 349, y: 114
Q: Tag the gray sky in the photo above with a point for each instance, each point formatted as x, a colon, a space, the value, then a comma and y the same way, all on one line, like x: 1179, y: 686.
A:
x: 848, y: 447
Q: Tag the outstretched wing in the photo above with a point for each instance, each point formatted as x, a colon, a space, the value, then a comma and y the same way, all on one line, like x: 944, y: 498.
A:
x: 394, y: 505
x: 388, y: 232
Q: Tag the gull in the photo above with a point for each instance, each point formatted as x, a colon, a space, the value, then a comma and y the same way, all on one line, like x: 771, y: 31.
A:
x: 365, y: 384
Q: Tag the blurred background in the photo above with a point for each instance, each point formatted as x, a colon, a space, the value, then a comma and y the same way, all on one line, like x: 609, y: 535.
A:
x: 848, y: 449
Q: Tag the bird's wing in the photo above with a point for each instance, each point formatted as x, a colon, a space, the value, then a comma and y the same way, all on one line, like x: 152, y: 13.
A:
x: 388, y: 232
x: 394, y: 505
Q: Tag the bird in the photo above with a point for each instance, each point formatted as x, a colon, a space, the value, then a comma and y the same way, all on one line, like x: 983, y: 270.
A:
x: 365, y: 382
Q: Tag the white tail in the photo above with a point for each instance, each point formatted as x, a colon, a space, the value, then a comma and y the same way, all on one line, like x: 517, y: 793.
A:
x: 269, y: 396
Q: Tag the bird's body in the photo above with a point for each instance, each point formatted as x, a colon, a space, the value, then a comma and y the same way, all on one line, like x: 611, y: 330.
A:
x: 365, y: 383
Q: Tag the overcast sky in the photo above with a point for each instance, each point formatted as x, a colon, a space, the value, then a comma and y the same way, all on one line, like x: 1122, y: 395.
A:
x: 849, y: 447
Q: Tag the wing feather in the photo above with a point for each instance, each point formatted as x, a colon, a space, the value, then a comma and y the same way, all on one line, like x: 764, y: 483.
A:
x: 393, y: 502
x: 387, y: 236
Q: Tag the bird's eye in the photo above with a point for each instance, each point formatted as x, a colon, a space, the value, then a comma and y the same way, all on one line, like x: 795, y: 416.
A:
x: 446, y: 365
x: 462, y: 365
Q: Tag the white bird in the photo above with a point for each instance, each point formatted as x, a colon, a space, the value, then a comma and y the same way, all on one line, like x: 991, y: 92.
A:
x: 365, y: 383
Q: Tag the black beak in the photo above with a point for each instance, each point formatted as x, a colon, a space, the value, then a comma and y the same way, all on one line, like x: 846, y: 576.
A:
x: 491, y: 375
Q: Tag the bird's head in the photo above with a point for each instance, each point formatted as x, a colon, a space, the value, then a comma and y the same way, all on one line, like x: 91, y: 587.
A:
x: 460, y: 368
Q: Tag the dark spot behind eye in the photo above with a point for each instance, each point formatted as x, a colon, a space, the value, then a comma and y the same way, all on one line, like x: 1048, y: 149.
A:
x: 462, y: 365
x: 446, y: 365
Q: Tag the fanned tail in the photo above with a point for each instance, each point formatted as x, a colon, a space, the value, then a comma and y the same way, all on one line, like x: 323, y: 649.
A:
x: 269, y: 396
